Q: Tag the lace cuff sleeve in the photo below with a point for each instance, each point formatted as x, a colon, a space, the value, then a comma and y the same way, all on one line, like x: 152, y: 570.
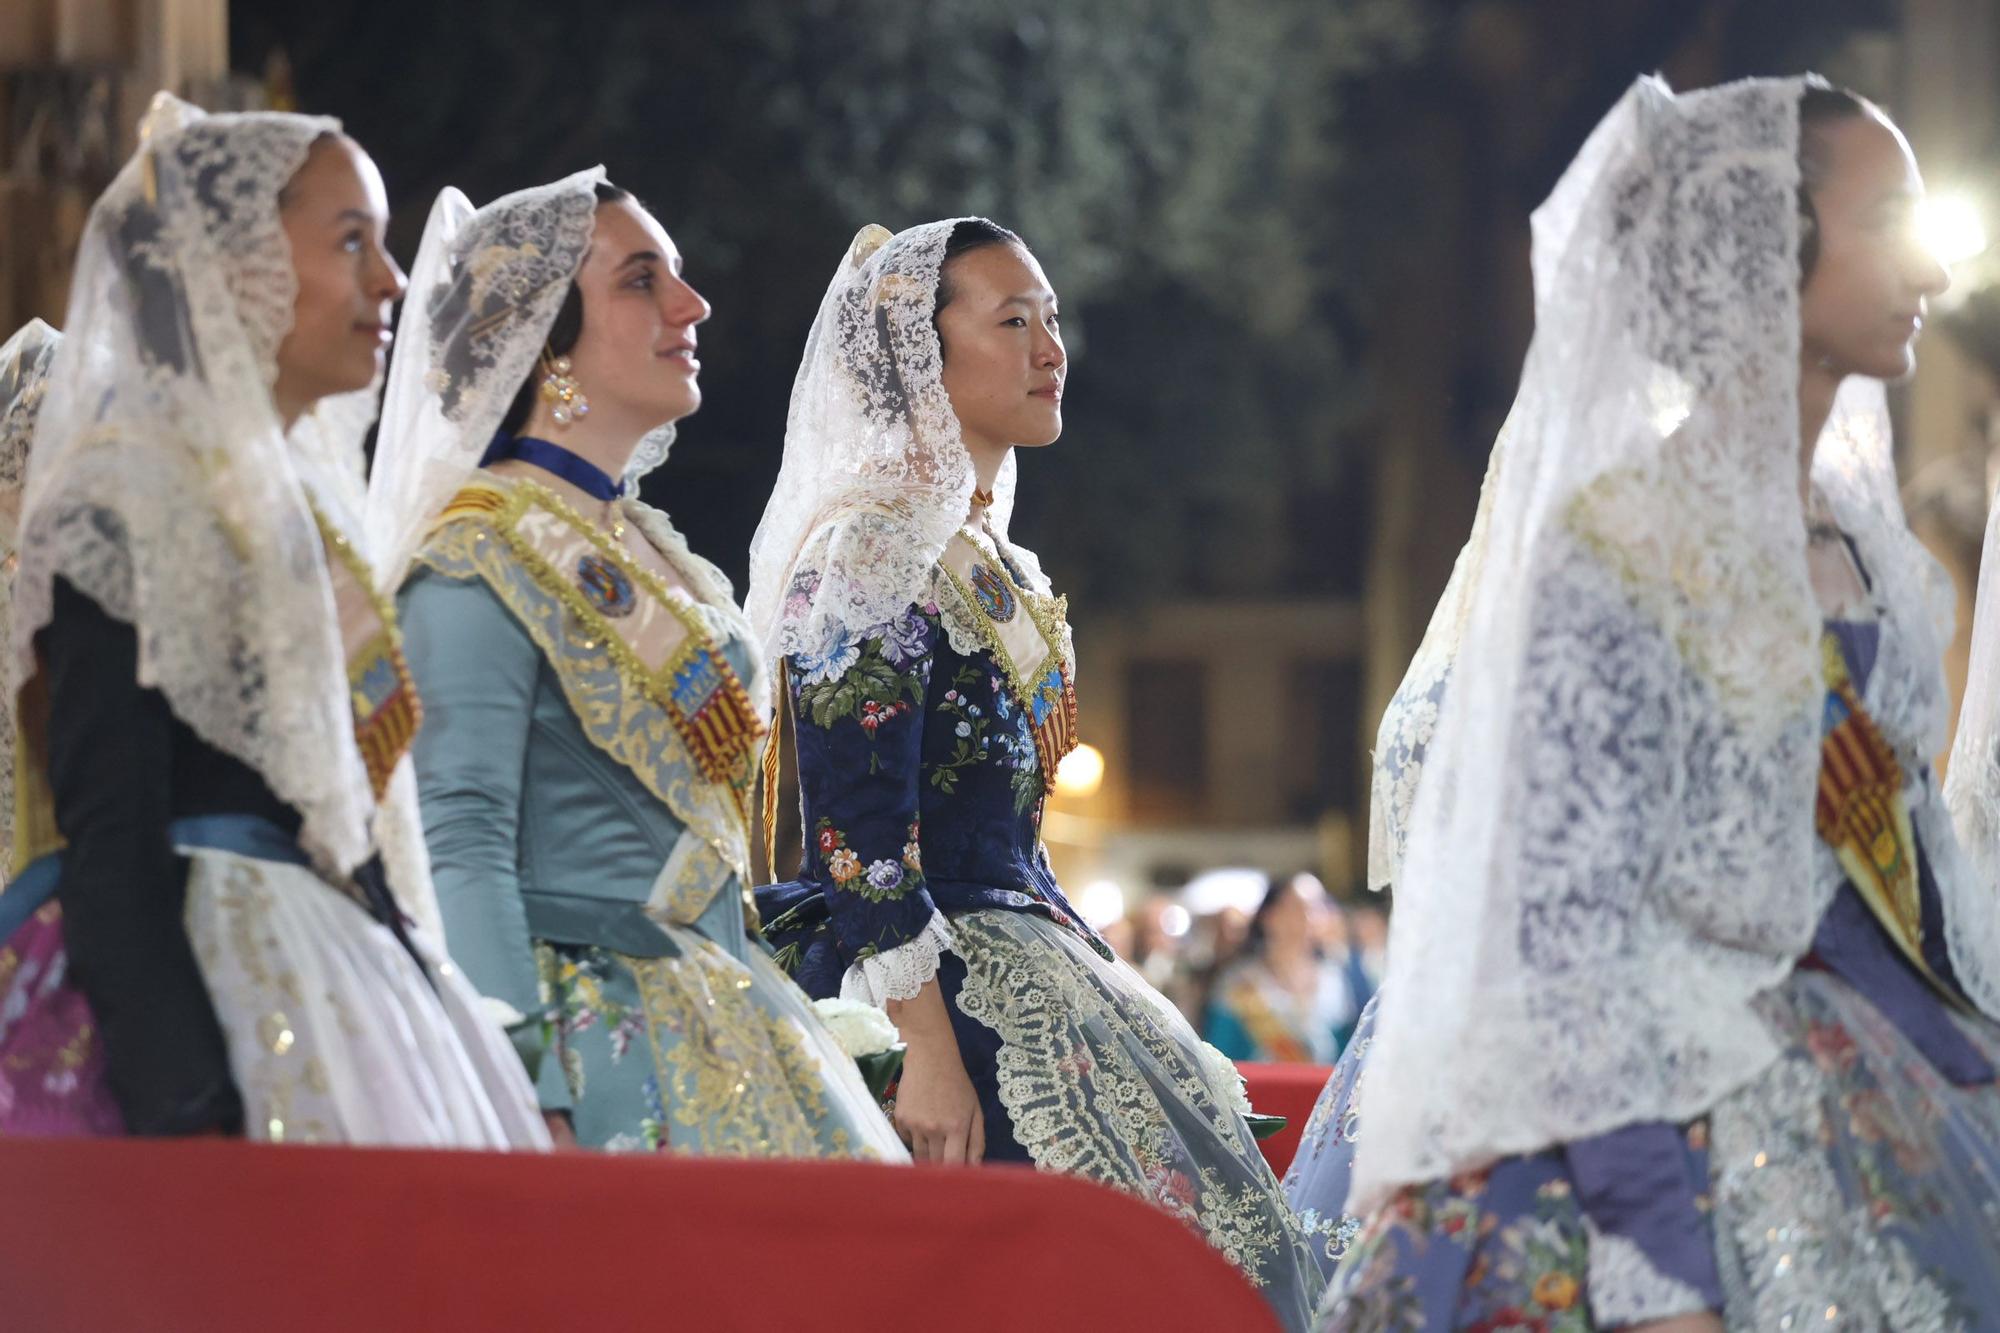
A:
x: 899, y: 973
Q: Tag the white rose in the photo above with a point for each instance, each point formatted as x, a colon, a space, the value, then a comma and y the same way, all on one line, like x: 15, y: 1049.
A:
x: 500, y: 1013
x: 861, y: 1029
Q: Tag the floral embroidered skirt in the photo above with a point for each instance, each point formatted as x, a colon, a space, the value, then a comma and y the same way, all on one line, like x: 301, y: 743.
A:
x: 708, y: 1052
x: 51, y: 1059
x: 1849, y: 1187
x: 1101, y: 1077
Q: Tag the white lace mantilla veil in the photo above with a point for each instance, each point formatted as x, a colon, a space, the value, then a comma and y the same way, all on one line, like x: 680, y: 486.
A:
x: 485, y: 291
x: 164, y: 487
x: 1613, y: 853
x: 24, y: 370
x: 1972, y: 783
x: 875, y: 480
x: 1403, y: 737
x: 876, y: 477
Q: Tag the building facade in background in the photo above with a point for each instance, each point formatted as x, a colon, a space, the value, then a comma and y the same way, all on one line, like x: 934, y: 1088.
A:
x: 75, y: 77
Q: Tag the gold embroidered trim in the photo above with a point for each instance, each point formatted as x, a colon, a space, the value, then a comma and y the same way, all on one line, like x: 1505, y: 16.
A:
x: 1055, y: 732
x: 1047, y: 614
x: 722, y: 755
x: 738, y: 1081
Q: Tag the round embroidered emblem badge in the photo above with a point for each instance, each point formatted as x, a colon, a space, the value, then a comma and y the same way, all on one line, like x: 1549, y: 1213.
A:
x: 996, y: 599
x: 605, y: 586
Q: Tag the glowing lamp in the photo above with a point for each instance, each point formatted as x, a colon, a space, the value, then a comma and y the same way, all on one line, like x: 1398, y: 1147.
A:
x: 1081, y: 772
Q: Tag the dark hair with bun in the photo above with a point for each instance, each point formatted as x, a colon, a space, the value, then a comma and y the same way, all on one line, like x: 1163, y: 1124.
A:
x: 457, y: 355
x: 969, y: 235
x: 1821, y: 105
x: 566, y: 329
x: 877, y: 370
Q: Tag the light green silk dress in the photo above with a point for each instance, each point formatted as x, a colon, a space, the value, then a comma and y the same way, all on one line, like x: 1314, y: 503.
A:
x: 584, y: 766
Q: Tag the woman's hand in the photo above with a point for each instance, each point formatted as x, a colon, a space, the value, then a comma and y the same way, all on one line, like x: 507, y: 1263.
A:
x: 1680, y: 1323
x: 937, y: 1110
x: 561, y: 1132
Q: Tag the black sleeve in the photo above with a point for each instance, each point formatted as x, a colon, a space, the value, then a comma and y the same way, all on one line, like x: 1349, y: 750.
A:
x: 123, y: 888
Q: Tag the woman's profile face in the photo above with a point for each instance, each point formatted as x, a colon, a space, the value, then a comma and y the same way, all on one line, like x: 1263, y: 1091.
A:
x: 1004, y: 361
x: 335, y: 214
x: 1864, y: 302
x: 635, y: 356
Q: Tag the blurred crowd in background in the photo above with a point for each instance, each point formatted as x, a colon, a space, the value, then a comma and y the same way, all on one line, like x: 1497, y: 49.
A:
x: 1279, y: 974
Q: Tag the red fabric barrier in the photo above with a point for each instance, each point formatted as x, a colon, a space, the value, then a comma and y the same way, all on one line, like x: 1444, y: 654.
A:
x: 1289, y: 1091
x: 161, y: 1237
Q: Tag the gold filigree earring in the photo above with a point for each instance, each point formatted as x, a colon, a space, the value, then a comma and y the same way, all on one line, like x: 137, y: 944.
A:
x: 560, y: 390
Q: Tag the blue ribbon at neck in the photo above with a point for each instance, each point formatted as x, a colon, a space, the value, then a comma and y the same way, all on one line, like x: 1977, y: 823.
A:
x: 579, y: 472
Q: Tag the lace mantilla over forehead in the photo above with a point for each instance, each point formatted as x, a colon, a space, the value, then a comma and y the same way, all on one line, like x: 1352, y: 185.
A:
x: 1610, y: 851
x: 162, y: 484
x: 876, y: 476
x: 485, y: 291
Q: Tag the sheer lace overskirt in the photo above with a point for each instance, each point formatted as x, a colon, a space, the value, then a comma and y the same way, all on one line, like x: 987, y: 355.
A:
x: 1614, y: 848
x: 163, y: 485
x: 1410, y: 721
x: 484, y: 292
x: 876, y: 477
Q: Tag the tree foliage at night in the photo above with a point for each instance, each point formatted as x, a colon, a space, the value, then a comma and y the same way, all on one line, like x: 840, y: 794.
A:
x: 1172, y: 162
x: 1226, y: 193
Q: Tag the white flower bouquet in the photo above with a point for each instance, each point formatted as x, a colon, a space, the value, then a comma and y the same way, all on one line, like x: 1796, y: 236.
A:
x: 868, y: 1037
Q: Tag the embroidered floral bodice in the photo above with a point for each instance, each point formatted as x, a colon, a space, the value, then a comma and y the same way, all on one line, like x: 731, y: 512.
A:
x: 922, y: 764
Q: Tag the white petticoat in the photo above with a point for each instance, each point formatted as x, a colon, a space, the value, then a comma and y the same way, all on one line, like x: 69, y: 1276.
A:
x: 335, y: 1035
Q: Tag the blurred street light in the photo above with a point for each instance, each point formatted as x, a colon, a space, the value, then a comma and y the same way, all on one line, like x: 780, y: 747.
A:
x: 1101, y: 903
x: 1951, y: 225
x: 1237, y: 886
x: 1081, y: 772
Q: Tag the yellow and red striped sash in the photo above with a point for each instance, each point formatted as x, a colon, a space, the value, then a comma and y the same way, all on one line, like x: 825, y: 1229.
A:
x: 1861, y: 814
x: 652, y: 634
x: 387, y: 711
x: 1275, y: 1039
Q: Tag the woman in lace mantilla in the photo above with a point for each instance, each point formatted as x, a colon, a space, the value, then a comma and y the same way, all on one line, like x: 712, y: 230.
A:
x: 1790, y: 1112
x: 217, y: 916
x: 928, y: 671
x: 591, y: 735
